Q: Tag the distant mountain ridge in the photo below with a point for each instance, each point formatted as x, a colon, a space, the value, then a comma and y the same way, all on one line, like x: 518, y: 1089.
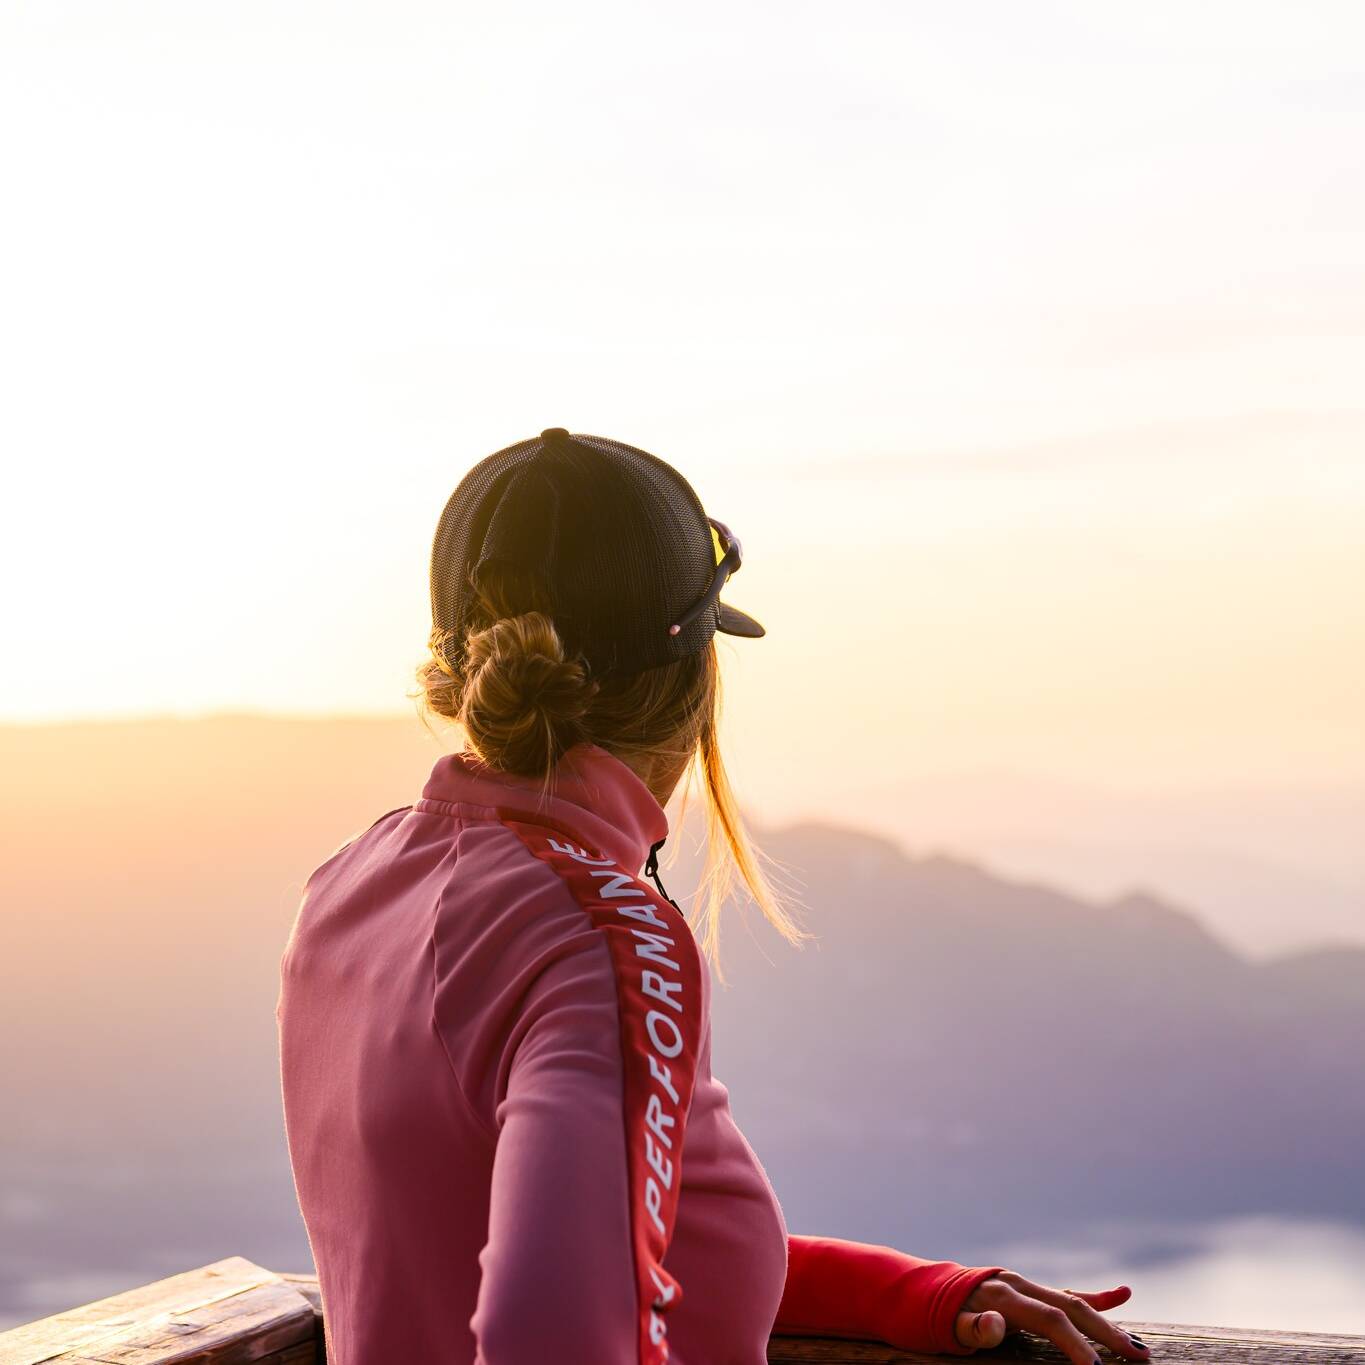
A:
x: 1068, y: 1058
x: 1204, y: 846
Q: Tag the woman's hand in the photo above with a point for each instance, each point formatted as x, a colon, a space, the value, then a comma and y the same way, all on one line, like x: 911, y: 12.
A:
x: 1066, y: 1317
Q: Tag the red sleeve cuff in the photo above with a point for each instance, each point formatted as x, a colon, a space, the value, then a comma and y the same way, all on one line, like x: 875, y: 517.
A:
x: 841, y: 1288
x: 946, y: 1303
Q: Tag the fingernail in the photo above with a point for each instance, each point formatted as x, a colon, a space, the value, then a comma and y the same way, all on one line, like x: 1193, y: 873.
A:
x: 1097, y: 1361
x: 1136, y: 1339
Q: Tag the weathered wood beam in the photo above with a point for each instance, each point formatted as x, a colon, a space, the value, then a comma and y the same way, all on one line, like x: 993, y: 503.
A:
x: 229, y: 1313
x: 1172, y: 1343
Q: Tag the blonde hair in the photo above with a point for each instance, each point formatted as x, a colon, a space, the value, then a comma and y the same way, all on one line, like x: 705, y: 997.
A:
x: 522, y: 698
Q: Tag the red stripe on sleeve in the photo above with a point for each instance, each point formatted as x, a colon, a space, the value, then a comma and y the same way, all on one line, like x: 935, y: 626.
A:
x: 657, y: 966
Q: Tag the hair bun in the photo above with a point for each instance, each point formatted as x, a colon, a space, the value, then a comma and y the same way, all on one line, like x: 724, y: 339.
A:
x: 525, y: 698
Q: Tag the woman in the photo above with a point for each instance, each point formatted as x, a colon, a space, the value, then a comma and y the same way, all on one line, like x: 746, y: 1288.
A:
x: 507, y: 1142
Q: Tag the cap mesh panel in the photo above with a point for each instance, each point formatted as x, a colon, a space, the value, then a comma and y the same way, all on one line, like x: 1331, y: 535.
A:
x: 632, y: 549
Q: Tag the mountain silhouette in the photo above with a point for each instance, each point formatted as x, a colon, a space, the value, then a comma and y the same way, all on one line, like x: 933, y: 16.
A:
x: 985, y: 1052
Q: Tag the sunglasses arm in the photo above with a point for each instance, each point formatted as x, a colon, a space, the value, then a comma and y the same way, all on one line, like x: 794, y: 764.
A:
x: 728, y: 565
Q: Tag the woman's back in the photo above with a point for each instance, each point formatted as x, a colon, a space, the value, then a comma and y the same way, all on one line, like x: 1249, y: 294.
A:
x: 495, y: 1046
x: 507, y: 1143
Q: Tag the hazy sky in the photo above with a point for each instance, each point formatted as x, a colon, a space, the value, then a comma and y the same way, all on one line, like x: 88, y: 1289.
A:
x: 1021, y: 344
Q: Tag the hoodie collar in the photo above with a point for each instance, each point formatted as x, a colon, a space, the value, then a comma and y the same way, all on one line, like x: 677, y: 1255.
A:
x: 594, y: 796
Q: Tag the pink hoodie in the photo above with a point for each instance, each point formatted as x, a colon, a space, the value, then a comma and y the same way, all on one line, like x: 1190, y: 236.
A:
x: 507, y: 1143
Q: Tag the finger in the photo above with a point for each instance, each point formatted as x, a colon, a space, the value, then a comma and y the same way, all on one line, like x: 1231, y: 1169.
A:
x: 1047, y: 1320
x: 1083, y: 1310
x: 1102, y: 1298
x: 979, y: 1329
x: 1106, y: 1298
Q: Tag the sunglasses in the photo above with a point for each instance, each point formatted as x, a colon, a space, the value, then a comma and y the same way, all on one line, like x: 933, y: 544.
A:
x: 729, y: 556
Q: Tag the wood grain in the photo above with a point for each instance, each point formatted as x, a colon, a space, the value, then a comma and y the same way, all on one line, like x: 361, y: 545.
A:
x: 1178, y: 1343
x: 229, y: 1313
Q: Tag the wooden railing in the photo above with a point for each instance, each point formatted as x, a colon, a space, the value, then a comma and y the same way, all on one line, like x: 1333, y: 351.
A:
x: 233, y: 1312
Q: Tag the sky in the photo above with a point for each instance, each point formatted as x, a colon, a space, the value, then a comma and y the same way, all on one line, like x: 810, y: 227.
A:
x: 1021, y: 345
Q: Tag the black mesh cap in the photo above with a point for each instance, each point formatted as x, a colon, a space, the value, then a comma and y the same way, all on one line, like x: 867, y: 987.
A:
x: 615, y: 540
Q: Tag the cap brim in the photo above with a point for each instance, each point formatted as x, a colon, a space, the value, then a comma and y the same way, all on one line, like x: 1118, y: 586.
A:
x: 736, y: 622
